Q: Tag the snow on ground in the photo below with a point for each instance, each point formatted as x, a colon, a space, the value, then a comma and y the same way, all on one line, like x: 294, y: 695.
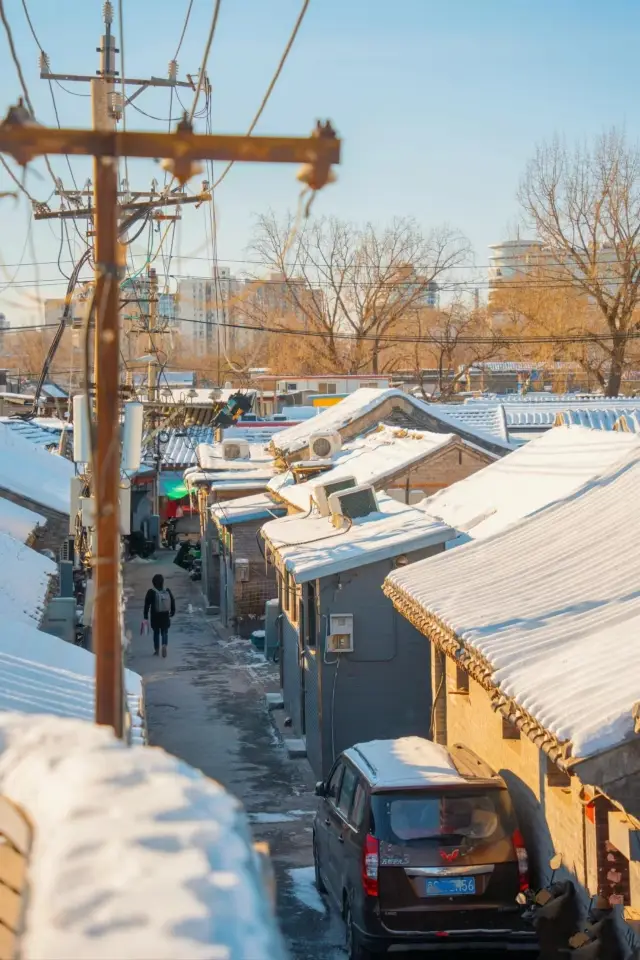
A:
x: 24, y: 582
x: 529, y: 479
x: 43, y: 674
x: 31, y: 472
x: 136, y: 854
x: 289, y: 817
x: 552, y: 604
x: 369, y: 459
x: 17, y: 521
x: 304, y: 888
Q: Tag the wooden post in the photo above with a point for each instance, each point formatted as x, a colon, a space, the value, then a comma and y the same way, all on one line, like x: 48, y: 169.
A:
x: 106, y: 460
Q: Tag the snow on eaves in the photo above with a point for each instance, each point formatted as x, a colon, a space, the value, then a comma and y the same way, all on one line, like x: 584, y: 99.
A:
x: 17, y: 521
x: 312, y: 547
x: 552, y: 605
x: 370, y: 459
x: 44, y: 674
x: 31, y: 472
x: 241, y: 510
x: 489, y: 418
x: 529, y: 479
x: 136, y: 854
x: 24, y: 582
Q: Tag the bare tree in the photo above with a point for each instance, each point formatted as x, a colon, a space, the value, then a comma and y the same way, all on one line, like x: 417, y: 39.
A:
x: 585, y: 208
x: 352, y: 288
x: 451, y: 341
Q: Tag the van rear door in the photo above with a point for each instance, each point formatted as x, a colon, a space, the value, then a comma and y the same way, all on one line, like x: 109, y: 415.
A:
x: 446, y: 851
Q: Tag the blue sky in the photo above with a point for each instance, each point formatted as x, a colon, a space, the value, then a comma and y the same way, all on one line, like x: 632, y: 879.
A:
x: 439, y: 104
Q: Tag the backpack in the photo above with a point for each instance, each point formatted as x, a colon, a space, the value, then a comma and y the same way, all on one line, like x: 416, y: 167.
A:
x: 163, y: 601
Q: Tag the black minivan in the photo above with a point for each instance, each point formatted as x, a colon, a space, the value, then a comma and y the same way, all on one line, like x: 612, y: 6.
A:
x: 419, y: 848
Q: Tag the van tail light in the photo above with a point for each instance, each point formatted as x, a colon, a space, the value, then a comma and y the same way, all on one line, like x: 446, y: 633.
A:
x: 370, y: 864
x: 523, y: 860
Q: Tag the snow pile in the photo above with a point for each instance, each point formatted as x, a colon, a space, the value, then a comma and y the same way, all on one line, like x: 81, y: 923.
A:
x: 553, y: 605
x: 43, y: 674
x: 18, y: 522
x: 529, y: 479
x: 29, y: 471
x: 313, y: 547
x: 24, y: 582
x: 136, y: 854
x: 371, y: 459
x: 243, y: 509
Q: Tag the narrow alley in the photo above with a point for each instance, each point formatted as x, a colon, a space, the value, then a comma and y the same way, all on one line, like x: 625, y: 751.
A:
x: 205, y: 704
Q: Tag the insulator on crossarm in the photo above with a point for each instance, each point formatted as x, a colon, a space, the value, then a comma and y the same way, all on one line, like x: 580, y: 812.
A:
x: 173, y: 70
x: 107, y: 11
x: 44, y: 63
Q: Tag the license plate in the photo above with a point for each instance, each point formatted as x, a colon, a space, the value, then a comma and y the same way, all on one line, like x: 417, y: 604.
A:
x: 450, y: 886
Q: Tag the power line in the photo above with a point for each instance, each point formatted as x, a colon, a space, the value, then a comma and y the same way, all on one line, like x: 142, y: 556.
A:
x: 184, y: 29
x: 274, y: 80
x: 205, y: 59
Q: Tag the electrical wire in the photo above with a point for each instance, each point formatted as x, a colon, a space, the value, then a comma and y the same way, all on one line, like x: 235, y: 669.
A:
x: 184, y: 29
x: 122, y: 77
x: 73, y: 93
x: 205, y: 59
x: 274, y: 80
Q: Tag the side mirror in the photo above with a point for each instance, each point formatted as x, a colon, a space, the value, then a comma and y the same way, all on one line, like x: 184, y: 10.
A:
x: 556, y: 862
x: 319, y: 789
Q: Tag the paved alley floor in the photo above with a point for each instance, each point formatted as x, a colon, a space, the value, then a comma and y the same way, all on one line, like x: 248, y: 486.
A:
x: 205, y: 704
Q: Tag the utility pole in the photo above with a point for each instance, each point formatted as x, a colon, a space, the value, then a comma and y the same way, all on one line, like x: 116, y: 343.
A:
x: 23, y: 139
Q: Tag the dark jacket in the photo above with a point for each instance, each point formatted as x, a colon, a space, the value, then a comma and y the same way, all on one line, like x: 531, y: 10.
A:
x: 157, y: 619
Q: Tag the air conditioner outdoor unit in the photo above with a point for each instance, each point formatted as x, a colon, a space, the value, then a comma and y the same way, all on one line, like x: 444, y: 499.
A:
x: 242, y: 571
x: 235, y: 450
x: 340, y: 635
x: 322, y: 492
x: 322, y: 446
x: 354, y: 503
x: 88, y: 511
x: 67, y: 550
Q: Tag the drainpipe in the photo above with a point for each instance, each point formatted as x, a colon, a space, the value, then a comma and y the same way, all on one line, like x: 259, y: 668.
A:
x: 438, y: 730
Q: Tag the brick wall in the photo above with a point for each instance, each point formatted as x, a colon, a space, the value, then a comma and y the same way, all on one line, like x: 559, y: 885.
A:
x: 551, y: 818
x: 52, y: 535
x: 250, y: 597
x: 440, y: 470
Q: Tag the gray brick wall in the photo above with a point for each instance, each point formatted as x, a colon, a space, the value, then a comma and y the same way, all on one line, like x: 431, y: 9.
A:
x: 52, y: 535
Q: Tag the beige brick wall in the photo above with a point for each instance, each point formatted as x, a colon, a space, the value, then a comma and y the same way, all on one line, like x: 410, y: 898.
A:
x: 440, y: 470
x: 551, y: 818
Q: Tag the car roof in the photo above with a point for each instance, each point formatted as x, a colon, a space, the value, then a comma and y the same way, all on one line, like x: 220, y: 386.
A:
x: 405, y: 762
x: 411, y: 763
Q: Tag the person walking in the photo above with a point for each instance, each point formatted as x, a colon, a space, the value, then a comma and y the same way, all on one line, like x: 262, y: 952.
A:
x: 160, y: 603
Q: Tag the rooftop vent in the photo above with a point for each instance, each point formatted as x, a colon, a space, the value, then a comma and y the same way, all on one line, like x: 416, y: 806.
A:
x: 235, y: 450
x: 322, y: 492
x: 354, y: 503
x: 324, y: 445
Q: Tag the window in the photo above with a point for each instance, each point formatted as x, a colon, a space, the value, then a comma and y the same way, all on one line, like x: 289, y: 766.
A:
x: 509, y: 730
x: 369, y: 383
x: 333, y: 787
x: 347, y: 790
x: 311, y: 614
x: 357, y: 813
x: 462, y: 680
x: 290, y: 387
x: 286, y: 590
x: 557, y: 777
x: 327, y: 388
x: 301, y: 619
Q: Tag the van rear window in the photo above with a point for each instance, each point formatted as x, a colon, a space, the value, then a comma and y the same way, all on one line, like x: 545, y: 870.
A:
x: 456, y: 816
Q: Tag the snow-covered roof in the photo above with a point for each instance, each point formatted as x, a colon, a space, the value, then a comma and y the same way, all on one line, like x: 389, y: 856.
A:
x: 18, y: 522
x: 259, y: 506
x: 232, y: 480
x: 548, y: 468
x: 24, y: 582
x: 333, y: 418
x: 372, y: 458
x: 31, y: 472
x: 600, y: 419
x: 210, y: 456
x: 489, y: 418
x: 551, y: 607
x: 44, y: 674
x: 137, y: 854
x: 366, y: 399
x: 405, y: 762
x: 42, y: 431
x: 312, y: 547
